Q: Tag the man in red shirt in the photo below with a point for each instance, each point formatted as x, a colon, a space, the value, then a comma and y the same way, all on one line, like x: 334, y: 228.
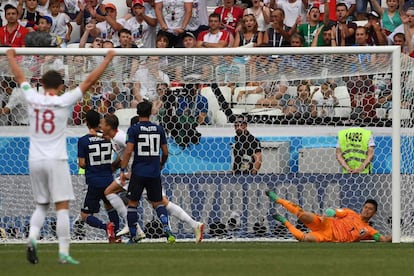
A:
x: 12, y: 34
x: 230, y: 15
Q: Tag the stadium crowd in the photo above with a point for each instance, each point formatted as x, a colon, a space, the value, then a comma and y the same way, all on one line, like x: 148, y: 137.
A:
x: 192, y: 24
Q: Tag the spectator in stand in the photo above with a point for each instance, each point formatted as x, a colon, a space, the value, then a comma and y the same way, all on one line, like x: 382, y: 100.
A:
x: 247, y: 151
x: 363, y: 101
x: 391, y: 16
x: 325, y: 36
x: 295, y: 63
x: 278, y: 35
x: 61, y: 22
x: 261, y: 13
x: 276, y: 95
x: 90, y: 12
x: 146, y: 79
x: 345, y: 31
x: 248, y: 33
x: 127, y: 65
x: 16, y: 105
x: 230, y: 15
x: 173, y: 18
x: 326, y: 102
x: 376, y: 35
x: 108, y: 29
x: 44, y: 25
x: 301, y: 107
x: 362, y: 61
x: 295, y: 11
x: 214, y: 37
x: 408, y: 23
x: 163, y: 42
x: 399, y: 39
x: 12, y: 34
x: 42, y: 6
x: 199, y: 17
x: 71, y: 8
x: 191, y: 67
x: 29, y: 16
x: 309, y: 30
x: 361, y: 8
x: 142, y: 26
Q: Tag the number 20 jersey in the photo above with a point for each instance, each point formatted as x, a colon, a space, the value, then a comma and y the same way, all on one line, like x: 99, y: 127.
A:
x: 48, y: 115
x: 147, y: 139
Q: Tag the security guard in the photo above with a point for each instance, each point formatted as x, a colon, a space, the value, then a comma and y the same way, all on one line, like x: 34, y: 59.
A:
x: 355, y: 150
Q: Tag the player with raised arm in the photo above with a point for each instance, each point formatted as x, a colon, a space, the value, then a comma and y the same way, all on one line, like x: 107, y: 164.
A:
x: 147, y: 141
x: 109, y: 127
x: 337, y: 225
x: 49, y: 168
x: 95, y: 156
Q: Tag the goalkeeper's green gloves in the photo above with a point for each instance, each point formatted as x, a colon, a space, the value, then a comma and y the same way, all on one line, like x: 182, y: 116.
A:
x: 330, y: 212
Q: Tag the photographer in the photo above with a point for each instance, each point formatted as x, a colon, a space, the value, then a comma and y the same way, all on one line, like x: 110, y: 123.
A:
x: 191, y: 103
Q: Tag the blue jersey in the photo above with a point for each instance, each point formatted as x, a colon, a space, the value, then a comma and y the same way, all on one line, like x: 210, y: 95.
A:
x: 98, y: 156
x: 147, y: 139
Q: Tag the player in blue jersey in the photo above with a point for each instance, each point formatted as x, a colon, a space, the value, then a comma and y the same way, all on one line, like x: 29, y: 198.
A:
x: 95, y: 156
x: 147, y: 141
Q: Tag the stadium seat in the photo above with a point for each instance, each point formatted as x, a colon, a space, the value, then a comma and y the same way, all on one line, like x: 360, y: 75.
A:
x: 213, y: 105
x: 75, y: 35
x: 292, y: 91
x: 344, y: 102
x: 381, y: 113
x: 226, y: 91
x: 125, y: 114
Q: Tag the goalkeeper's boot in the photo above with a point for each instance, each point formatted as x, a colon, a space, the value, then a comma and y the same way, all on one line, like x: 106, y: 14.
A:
x: 32, y: 251
x: 170, y: 236
x: 198, y: 232
x: 66, y: 259
x: 272, y: 195
x: 280, y: 218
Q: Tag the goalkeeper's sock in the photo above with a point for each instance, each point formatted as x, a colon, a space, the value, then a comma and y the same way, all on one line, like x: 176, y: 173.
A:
x: 95, y: 222
x: 291, y: 207
x: 299, y: 235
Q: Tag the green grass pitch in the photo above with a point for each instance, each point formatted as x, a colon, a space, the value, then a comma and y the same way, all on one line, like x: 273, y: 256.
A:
x: 216, y: 258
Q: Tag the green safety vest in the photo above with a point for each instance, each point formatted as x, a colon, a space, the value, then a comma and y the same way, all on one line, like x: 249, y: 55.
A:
x: 353, y: 143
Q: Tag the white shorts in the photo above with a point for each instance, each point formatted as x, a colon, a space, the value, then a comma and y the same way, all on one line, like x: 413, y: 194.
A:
x: 51, y: 181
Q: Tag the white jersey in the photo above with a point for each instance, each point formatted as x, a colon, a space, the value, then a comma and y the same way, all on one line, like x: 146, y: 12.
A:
x: 119, y: 143
x: 18, y: 107
x: 143, y: 34
x: 173, y: 12
x: 48, y: 115
x: 199, y: 15
x: 108, y: 33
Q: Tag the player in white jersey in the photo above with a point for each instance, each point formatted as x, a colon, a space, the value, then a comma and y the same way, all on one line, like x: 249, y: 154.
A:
x: 49, y: 168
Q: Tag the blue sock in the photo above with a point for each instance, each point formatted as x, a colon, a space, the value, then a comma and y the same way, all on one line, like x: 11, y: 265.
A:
x: 132, y: 217
x: 113, y: 217
x: 95, y: 222
x: 163, y: 216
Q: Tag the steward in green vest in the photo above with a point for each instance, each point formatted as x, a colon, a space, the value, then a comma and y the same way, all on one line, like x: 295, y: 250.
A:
x: 354, y: 152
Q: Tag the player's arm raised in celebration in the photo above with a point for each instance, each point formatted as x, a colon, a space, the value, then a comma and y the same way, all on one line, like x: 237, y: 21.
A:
x: 97, y: 72
x: 14, y: 66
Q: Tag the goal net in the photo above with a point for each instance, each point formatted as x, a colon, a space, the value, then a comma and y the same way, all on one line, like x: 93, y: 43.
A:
x: 295, y: 101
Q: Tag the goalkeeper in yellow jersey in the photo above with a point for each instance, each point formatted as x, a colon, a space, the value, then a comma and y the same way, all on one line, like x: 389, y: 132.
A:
x: 339, y: 225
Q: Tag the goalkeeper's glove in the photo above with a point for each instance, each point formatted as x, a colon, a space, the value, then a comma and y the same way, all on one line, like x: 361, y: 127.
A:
x: 330, y: 212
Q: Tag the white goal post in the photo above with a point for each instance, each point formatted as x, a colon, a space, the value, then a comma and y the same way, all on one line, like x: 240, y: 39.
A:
x: 210, y: 192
